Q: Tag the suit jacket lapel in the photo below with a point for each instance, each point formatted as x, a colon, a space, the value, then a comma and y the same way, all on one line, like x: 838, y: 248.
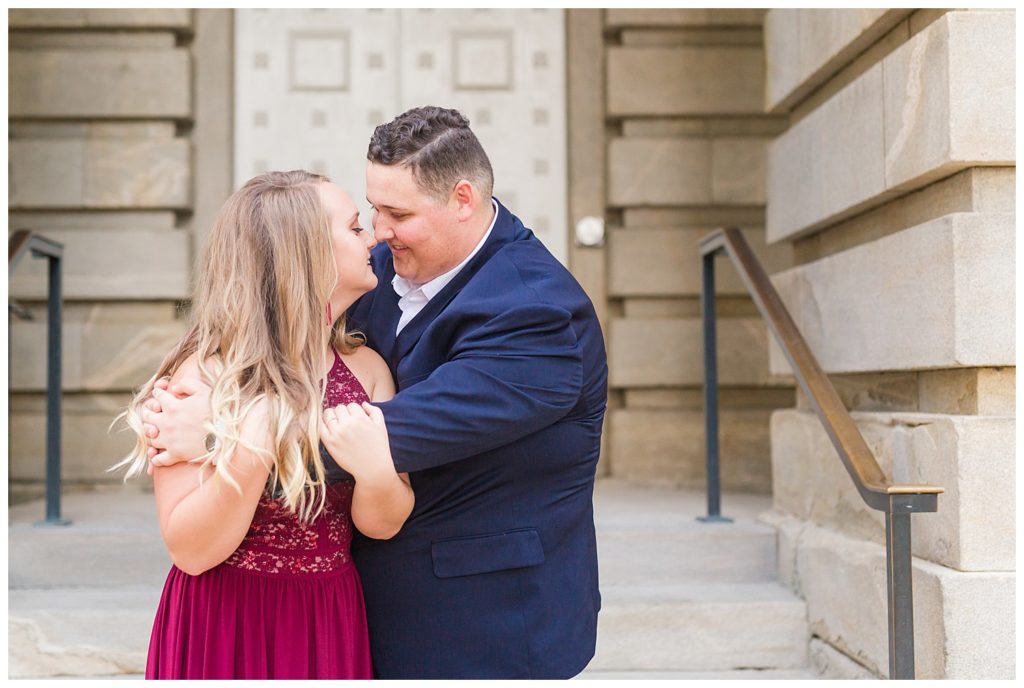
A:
x: 385, y: 325
x: 379, y: 318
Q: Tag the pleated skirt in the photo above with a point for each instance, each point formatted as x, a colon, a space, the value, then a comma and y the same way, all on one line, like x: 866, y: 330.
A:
x: 228, y: 623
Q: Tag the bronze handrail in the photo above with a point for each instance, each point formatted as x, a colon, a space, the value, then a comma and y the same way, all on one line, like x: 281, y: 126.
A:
x: 898, y: 501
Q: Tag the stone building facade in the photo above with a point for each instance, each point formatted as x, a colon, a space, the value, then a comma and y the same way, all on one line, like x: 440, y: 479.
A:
x: 118, y: 143
x: 894, y: 186
x: 867, y: 155
x: 684, y: 146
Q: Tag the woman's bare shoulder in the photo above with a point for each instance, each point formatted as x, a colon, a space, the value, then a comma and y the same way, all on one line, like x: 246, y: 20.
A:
x: 364, y: 355
x: 189, y: 369
x: 371, y: 371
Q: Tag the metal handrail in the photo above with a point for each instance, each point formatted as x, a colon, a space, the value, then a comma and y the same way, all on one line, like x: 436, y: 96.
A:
x: 896, y: 500
x: 21, y: 242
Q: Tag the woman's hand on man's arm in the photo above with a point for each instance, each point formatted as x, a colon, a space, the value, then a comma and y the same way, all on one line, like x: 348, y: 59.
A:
x: 357, y: 439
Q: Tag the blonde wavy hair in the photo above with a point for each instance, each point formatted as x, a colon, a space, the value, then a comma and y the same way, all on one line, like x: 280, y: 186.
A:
x: 259, y: 312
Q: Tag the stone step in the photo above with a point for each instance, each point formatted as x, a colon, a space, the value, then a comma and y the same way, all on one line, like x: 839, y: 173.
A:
x: 680, y: 596
x: 683, y: 597
x: 651, y: 535
x: 644, y: 631
x: 67, y: 631
x: 712, y: 553
x: 113, y: 540
x: 82, y: 597
x: 617, y: 502
x: 703, y: 627
x: 737, y: 675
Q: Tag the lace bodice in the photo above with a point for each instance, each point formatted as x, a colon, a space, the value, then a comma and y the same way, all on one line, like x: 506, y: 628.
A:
x: 277, y: 542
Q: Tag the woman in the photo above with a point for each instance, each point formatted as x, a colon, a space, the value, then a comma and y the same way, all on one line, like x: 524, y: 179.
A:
x: 263, y: 585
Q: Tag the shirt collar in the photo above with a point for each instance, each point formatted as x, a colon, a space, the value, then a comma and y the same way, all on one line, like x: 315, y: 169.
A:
x: 430, y: 289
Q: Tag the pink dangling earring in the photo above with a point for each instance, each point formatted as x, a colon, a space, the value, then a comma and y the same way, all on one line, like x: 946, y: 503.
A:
x: 329, y: 320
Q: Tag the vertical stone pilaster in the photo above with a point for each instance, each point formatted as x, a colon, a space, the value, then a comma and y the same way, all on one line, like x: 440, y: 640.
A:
x: 586, y: 131
x: 904, y: 291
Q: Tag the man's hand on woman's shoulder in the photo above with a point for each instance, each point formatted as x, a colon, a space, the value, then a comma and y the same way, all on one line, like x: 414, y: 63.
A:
x: 174, y: 417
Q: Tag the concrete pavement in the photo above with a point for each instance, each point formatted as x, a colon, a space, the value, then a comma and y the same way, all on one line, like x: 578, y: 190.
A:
x: 682, y: 599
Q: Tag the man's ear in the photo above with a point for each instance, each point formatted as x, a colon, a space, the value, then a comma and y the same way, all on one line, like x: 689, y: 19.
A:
x: 466, y: 199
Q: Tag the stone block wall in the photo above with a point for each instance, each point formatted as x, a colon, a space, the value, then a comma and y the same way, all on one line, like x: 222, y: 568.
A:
x: 120, y: 149
x: 893, y: 186
x: 687, y: 139
x: 106, y: 111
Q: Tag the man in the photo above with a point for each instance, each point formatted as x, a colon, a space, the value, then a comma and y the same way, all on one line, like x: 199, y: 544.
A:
x: 502, y: 383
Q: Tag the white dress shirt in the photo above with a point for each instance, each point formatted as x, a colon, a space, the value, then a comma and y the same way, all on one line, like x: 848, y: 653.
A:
x: 413, y: 297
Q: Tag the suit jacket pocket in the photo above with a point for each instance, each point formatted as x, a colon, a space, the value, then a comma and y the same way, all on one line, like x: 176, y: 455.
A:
x: 467, y: 556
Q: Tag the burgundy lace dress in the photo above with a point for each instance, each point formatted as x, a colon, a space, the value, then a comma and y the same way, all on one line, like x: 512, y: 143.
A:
x: 286, y: 604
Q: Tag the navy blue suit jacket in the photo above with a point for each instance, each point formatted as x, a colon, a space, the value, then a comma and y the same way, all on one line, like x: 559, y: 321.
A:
x: 502, y: 386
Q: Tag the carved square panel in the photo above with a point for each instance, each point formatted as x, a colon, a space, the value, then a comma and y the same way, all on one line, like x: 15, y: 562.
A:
x: 482, y: 60
x: 318, y: 61
x: 329, y: 77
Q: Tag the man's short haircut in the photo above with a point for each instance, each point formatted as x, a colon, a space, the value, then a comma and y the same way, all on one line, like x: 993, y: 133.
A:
x: 438, y: 146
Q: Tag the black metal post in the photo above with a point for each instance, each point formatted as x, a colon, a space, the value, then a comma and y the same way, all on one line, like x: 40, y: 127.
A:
x: 54, y: 322
x: 899, y: 579
x: 20, y: 242
x: 707, y: 312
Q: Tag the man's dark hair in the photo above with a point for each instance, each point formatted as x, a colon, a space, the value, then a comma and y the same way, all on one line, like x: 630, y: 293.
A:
x: 438, y: 146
